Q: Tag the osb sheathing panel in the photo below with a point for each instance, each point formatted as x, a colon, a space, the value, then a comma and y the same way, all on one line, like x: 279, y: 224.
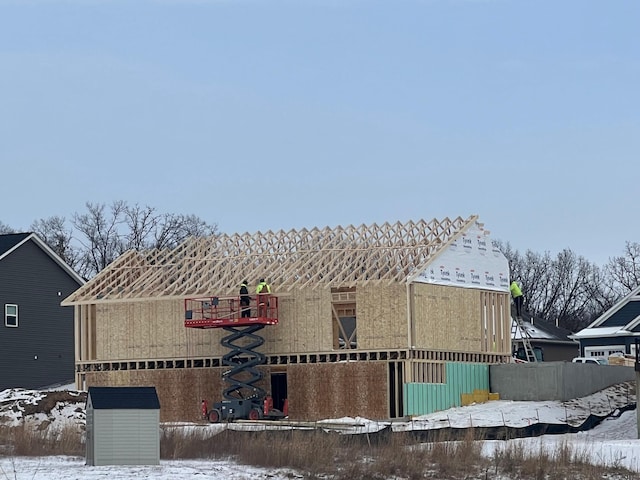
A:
x: 150, y: 330
x: 304, y: 323
x: 180, y: 391
x: 320, y: 391
x: 447, y: 318
x: 382, y: 316
x: 155, y: 329
x: 304, y: 326
x: 140, y: 330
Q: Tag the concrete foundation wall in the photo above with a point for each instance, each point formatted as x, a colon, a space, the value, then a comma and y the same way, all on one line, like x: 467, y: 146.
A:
x: 554, y: 380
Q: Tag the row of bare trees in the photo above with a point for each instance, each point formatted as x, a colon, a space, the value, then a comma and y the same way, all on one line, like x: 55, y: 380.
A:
x: 566, y: 289
x: 92, y: 239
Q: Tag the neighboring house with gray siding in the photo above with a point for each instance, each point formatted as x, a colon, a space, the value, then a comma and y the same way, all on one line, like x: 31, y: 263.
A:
x: 36, y: 333
x: 555, y: 343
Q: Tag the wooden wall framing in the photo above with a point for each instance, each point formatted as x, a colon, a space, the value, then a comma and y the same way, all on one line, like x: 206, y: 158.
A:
x: 460, y: 319
x: 130, y: 317
x: 118, y: 339
x: 444, y: 318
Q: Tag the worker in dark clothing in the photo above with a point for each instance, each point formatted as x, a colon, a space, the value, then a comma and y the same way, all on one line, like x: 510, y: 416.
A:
x: 245, y: 300
x: 263, y: 289
x: 518, y: 298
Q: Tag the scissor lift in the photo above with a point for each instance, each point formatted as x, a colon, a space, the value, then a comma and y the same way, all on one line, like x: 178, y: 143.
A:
x: 243, y: 398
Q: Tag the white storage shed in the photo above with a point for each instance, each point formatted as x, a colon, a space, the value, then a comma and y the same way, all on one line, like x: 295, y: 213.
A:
x: 123, y: 426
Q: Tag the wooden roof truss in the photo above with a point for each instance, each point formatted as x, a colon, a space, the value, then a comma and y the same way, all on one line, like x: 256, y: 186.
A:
x: 296, y: 259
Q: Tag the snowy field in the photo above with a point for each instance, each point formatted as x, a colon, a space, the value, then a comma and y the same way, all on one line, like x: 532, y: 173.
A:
x: 613, y: 442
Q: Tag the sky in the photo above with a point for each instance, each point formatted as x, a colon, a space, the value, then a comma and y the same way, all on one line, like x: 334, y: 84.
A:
x: 612, y: 442
x: 281, y: 115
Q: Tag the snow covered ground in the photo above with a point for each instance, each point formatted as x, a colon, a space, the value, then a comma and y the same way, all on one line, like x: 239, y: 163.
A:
x: 613, y: 442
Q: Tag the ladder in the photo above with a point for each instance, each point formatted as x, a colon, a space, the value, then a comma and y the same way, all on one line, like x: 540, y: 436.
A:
x: 518, y: 326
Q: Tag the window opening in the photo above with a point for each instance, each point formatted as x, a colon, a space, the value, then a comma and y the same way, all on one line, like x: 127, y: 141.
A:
x: 343, y: 310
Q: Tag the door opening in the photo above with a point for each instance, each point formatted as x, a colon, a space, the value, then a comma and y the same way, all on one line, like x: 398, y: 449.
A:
x: 279, y: 389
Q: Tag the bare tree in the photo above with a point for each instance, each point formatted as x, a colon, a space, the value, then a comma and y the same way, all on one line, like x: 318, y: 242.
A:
x: 624, y: 271
x: 105, y: 233
x: 172, y: 229
x: 566, y: 290
x: 100, y: 240
x: 148, y: 229
x: 4, y: 228
x: 532, y: 270
x: 59, y: 237
x: 141, y: 223
x: 602, y: 293
x: 573, y: 306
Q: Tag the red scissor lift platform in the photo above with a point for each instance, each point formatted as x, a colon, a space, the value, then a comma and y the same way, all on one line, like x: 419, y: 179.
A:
x: 215, y: 312
x: 243, y: 398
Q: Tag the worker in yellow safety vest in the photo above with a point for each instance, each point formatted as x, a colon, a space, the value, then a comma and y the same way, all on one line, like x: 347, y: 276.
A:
x: 262, y: 290
x: 516, y: 293
x: 263, y: 287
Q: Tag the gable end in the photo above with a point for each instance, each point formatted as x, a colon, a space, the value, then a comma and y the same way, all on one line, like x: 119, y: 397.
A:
x: 624, y: 316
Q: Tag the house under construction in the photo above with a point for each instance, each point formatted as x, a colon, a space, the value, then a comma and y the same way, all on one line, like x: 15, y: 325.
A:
x: 377, y: 321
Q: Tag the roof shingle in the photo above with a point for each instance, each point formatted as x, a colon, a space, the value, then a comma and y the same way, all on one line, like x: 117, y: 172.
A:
x: 135, y: 398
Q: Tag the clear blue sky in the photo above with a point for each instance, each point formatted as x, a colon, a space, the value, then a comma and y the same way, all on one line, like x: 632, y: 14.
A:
x: 268, y: 115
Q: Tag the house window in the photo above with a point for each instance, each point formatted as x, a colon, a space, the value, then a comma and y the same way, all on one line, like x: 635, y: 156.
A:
x: 10, y: 315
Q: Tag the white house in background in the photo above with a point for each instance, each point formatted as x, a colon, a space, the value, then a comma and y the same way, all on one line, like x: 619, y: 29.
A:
x: 615, y: 331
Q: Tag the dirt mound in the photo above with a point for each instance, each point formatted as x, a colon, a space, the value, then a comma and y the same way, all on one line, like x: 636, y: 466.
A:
x: 18, y: 405
x: 50, y: 400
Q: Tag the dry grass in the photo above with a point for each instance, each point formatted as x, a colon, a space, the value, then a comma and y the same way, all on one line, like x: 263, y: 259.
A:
x: 26, y: 441
x: 357, y: 457
x: 308, y: 451
x: 566, y: 461
x: 323, y: 455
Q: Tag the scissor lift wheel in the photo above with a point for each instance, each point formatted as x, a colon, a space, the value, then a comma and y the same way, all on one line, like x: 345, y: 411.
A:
x: 214, y: 415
